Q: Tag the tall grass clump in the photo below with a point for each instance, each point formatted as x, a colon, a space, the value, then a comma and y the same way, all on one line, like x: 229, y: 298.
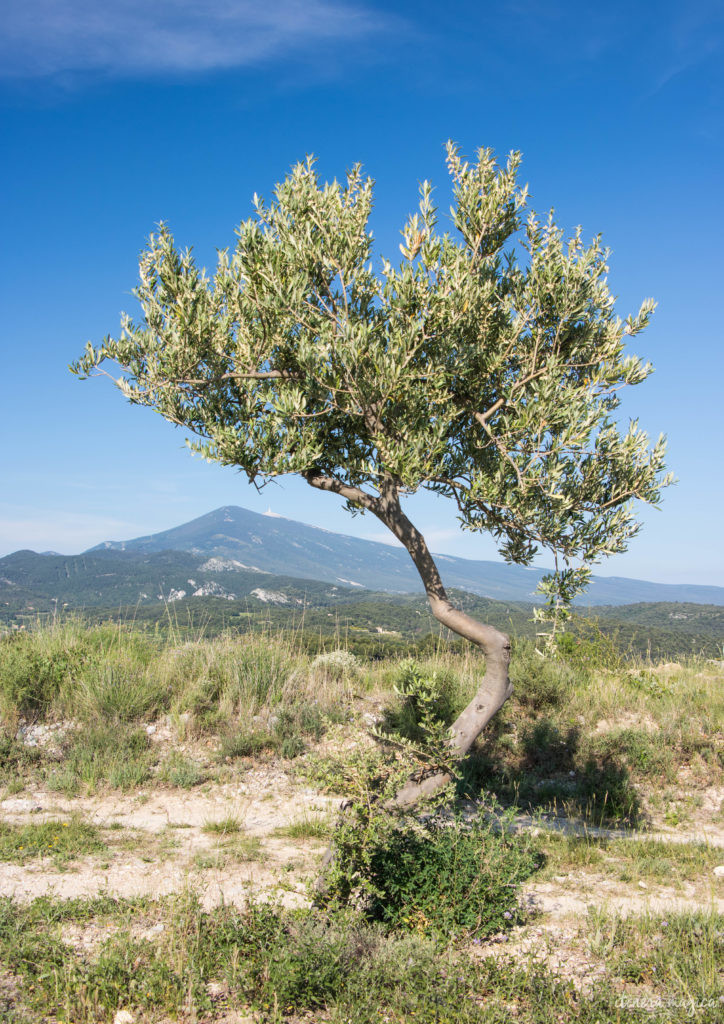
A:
x: 73, y: 669
x: 229, y: 678
x: 34, y: 666
x: 119, y: 691
x: 541, y: 683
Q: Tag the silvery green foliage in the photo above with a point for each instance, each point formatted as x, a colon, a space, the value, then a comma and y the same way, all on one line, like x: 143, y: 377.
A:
x: 343, y: 660
x: 485, y: 366
x: 559, y: 589
x: 424, y: 694
x: 336, y: 664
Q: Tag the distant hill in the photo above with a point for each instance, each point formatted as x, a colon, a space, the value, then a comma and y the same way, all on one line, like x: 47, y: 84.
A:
x: 107, y: 579
x: 192, y: 591
x: 282, y: 546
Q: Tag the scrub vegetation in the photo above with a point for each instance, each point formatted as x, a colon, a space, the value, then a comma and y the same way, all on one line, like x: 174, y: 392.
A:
x: 592, y: 779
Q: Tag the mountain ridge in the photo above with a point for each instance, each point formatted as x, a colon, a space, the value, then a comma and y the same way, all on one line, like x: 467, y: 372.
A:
x: 282, y: 546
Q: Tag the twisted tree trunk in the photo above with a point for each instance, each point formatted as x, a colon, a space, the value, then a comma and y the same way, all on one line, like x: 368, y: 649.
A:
x: 495, y: 686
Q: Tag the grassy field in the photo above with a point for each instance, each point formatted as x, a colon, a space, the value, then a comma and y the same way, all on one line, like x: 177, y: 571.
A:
x: 165, y: 804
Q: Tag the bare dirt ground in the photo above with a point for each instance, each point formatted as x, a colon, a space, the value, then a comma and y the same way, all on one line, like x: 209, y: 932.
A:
x: 172, y: 849
x: 159, y: 843
x: 161, y: 840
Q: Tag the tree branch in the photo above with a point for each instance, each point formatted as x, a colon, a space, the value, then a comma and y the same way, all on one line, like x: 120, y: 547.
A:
x: 348, y: 491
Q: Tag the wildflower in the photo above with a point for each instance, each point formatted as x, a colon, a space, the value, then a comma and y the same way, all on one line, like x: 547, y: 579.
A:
x: 507, y: 915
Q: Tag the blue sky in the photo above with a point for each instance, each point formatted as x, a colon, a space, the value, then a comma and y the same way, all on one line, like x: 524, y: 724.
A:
x: 116, y: 116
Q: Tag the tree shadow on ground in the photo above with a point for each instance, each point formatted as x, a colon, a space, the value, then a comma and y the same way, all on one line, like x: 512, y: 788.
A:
x: 545, y: 768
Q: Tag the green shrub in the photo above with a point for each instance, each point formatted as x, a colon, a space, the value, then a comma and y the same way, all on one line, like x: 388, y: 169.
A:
x: 246, y: 744
x: 439, y: 875
x: 538, y: 681
x: 424, y: 700
x: 180, y: 771
x: 33, y: 668
x: 118, y: 756
x: 586, y: 645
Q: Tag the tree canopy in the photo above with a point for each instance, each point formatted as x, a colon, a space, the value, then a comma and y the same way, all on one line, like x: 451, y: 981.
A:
x: 485, y: 365
x: 465, y: 369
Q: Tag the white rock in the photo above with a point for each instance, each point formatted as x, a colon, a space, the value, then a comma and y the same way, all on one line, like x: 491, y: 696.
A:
x: 270, y: 596
x: 19, y: 804
x: 124, y: 1017
x: 719, y: 871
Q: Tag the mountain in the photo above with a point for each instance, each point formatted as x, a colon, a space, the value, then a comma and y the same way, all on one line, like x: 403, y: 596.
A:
x: 272, y: 544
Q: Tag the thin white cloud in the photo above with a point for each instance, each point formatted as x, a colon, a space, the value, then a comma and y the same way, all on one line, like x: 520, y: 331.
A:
x: 694, y: 37
x: 382, y: 537
x: 436, y: 538
x: 66, y: 532
x: 132, y: 37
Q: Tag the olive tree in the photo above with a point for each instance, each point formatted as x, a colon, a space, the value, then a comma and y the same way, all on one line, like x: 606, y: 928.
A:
x: 485, y: 366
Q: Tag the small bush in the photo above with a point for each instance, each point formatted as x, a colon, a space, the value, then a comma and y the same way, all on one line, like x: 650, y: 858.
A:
x: 433, y: 875
x: 425, y: 702
x: 339, y: 774
x: 33, y: 667
x: 335, y: 666
x: 118, y: 756
x: 586, y: 645
x: 180, y: 771
x: 246, y: 744
x: 539, y: 682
